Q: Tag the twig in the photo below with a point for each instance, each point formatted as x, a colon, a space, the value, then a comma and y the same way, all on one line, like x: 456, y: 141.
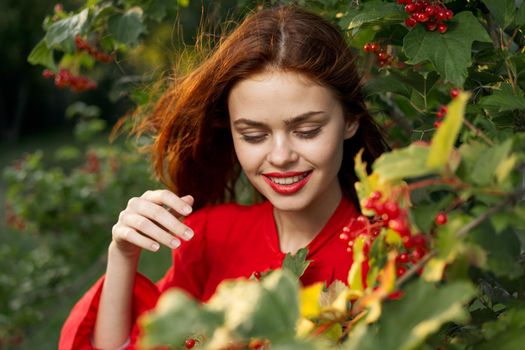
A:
x: 478, y: 132
x: 511, y: 200
x: 411, y: 271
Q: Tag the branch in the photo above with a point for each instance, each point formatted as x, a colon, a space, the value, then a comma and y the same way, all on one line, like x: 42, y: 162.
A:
x: 511, y: 200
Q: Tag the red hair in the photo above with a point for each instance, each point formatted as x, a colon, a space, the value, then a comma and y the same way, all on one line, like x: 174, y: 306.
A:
x: 193, y: 149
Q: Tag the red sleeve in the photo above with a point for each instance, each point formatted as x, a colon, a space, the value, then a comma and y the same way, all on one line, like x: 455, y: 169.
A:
x: 189, y: 272
x: 190, y: 265
x: 77, y: 331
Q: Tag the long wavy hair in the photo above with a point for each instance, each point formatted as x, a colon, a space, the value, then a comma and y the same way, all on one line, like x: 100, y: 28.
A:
x: 193, y: 152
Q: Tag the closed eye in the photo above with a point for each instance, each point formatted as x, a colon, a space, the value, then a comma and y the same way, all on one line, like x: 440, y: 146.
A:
x: 309, y: 133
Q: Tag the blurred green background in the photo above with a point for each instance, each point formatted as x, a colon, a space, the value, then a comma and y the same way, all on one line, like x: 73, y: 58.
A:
x: 63, y: 182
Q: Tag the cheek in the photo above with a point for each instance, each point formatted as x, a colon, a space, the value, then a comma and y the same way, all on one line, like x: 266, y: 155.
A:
x: 247, y: 156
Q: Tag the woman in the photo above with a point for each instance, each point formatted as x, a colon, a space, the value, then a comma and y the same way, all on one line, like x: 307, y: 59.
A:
x: 278, y: 100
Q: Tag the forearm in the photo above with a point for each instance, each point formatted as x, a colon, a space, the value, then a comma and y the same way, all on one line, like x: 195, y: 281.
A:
x: 113, y: 323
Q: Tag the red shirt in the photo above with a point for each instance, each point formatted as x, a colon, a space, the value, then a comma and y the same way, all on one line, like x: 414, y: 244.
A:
x: 230, y: 241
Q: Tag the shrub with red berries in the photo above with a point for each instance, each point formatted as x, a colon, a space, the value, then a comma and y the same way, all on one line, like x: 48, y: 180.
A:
x: 64, y: 78
x: 382, y: 56
x: 431, y: 14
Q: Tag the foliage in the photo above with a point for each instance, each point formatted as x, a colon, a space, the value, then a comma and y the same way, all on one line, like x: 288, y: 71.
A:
x: 443, y: 236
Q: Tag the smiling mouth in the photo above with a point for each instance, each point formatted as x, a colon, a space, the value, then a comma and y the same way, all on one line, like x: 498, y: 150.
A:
x: 287, y: 183
x: 288, y: 180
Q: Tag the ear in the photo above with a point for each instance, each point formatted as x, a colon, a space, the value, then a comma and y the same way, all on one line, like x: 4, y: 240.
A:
x: 351, y: 128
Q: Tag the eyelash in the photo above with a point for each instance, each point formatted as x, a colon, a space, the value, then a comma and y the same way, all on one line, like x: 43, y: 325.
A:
x: 309, y: 134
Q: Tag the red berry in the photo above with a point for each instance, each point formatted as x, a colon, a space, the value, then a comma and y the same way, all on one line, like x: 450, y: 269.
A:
x: 403, y: 258
x: 257, y: 275
x: 437, y: 124
x: 410, y: 22
x: 401, y: 270
x: 189, y: 343
x: 391, y: 209
x: 408, y: 243
x: 454, y: 92
x: 410, y: 8
x: 429, y: 10
x: 431, y: 26
x: 374, y: 47
x: 382, y: 63
x: 441, y: 218
x: 367, y: 47
x: 418, y: 254
x: 369, y: 203
x: 441, y: 15
x: 47, y: 73
x: 376, y: 195
x: 442, y: 28
x: 419, y: 240
x: 400, y: 226
x: 449, y: 14
x: 421, y: 17
x: 382, y: 55
x: 443, y: 109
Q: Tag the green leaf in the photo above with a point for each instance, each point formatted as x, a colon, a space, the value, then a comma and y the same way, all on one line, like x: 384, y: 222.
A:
x: 502, y: 11
x: 403, y: 163
x: 371, y: 11
x: 506, y: 333
x: 41, y: 54
x: 486, y: 168
x: 175, y: 318
x: 450, y: 53
x: 520, y: 16
x: 296, y: 264
x: 405, y: 324
x: 443, y: 140
x: 62, y: 34
x: 126, y: 28
x: 383, y: 84
x: 503, y: 250
x: 503, y: 99
x: 267, y: 309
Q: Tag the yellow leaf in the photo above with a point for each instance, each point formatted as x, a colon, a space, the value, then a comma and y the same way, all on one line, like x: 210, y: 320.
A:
x: 433, y: 271
x: 304, y: 327
x: 443, y: 141
x: 355, y: 278
x: 309, y: 299
x: 505, y: 167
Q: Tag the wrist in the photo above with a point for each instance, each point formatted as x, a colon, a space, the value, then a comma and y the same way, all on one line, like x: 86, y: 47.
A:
x: 115, y: 253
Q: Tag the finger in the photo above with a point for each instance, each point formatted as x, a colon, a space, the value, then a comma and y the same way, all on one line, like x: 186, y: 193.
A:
x: 188, y: 199
x: 125, y: 233
x: 149, y: 229
x: 165, y: 197
x: 159, y: 214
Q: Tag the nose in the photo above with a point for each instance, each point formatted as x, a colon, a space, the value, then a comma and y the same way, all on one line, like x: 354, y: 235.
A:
x: 282, y: 152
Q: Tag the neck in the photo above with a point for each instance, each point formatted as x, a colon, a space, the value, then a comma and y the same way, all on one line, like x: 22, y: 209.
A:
x: 298, y: 228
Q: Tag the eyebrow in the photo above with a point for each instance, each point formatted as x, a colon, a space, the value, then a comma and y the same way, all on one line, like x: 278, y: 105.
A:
x: 292, y: 121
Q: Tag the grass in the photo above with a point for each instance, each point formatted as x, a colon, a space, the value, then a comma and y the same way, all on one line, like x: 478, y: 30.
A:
x: 45, y: 335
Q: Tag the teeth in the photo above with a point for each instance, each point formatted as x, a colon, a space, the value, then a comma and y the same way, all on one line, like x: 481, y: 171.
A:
x: 287, y: 180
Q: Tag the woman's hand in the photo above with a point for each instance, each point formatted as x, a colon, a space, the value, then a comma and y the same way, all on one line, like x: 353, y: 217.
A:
x: 151, y: 220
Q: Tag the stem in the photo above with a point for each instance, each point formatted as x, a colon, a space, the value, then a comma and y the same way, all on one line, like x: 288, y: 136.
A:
x: 439, y: 181
x: 511, y: 200
x: 478, y: 132
x: 411, y: 271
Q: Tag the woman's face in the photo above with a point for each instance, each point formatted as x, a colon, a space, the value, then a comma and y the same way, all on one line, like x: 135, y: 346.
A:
x: 288, y: 135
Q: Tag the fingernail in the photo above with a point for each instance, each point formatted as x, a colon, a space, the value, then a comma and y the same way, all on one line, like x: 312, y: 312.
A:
x: 155, y: 246
x: 186, y: 210
x: 188, y: 234
x: 175, y: 243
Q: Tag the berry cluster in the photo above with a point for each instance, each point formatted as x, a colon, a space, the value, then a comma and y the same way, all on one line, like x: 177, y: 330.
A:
x: 389, y: 215
x: 92, y: 165
x: 432, y: 14
x: 383, y: 58
x: 83, y: 45
x: 65, y: 78
x: 443, y: 109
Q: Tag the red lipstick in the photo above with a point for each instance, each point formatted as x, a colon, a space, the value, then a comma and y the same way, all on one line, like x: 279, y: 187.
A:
x: 287, y: 189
